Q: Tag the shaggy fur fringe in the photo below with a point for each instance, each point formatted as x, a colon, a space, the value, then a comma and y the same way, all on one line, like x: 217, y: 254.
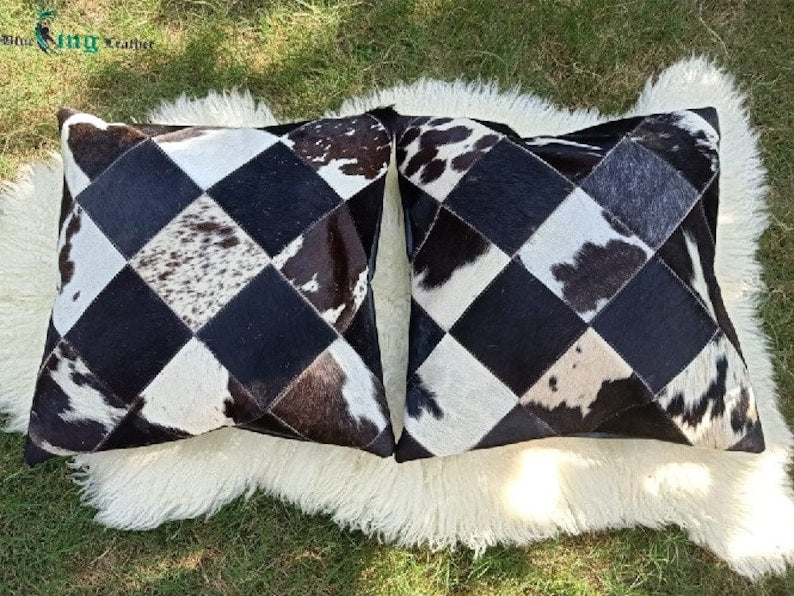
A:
x: 738, y: 505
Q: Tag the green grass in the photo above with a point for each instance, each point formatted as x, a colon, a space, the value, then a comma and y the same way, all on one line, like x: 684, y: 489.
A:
x: 304, y: 57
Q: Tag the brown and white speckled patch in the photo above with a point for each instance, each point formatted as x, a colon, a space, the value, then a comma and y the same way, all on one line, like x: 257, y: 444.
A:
x: 199, y: 261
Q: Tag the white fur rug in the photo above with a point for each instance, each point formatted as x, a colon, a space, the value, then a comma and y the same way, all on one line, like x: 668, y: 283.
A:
x: 738, y: 505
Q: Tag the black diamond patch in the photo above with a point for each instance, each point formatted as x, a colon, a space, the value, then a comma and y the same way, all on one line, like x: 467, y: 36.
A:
x: 266, y: 336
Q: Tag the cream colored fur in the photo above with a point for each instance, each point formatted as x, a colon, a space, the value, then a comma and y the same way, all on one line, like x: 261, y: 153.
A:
x: 738, y: 505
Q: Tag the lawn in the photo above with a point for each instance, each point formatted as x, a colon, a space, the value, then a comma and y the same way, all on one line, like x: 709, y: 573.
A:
x: 304, y: 57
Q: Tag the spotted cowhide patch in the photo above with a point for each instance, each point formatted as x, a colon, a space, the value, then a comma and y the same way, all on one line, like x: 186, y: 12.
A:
x: 565, y: 286
x: 215, y: 277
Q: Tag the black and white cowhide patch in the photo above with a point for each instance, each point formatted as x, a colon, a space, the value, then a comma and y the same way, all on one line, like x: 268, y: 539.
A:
x: 215, y: 277
x: 565, y: 286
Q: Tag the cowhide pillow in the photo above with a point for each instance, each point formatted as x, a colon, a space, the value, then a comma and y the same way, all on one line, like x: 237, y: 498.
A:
x: 565, y: 286
x: 213, y: 277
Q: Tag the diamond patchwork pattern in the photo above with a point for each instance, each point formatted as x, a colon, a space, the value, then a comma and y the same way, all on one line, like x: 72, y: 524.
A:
x: 204, y: 273
x: 554, y: 254
x: 188, y: 262
x: 543, y: 303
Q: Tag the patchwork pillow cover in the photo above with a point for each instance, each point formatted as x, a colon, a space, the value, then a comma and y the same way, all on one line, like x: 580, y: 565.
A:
x: 214, y: 277
x: 565, y: 286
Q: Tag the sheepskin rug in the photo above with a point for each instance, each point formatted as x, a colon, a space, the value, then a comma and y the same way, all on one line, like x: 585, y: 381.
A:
x: 739, y: 505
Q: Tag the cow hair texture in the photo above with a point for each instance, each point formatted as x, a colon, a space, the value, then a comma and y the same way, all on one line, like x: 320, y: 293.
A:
x: 738, y: 505
x: 564, y: 286
x: 216, y: 304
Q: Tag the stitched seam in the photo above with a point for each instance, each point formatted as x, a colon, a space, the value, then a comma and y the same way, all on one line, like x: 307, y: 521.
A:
x: 385, y: 128
x: 677, y: 173
x: 421, y: 245
x: 105, y: 391
x: 468, y: 225
x: 468, y: 307
x: 481, y: 363
x: 457, y: 183
x: 622, y: 137
x: 410, y: 123
x: 653, y: 256
x: 628, y: 137
x: 495, y: 376
x: 659, y: 408
x: 315, y: 309
x: 575, y: 186
x: 48, y: 355
x: 694, y: 294
x: 302, y: 371
x: 698, y: 196
x: 189, y: 177
x: 289, y: 426
x: 620, y: 353
x: 112, y: 165
x: 537, y: 418
x: 519, y: 262
x: 655, y: 252
x: 471, y: 167
x: 311, y: 167
x: 135, y: 406
x: 513, y: 256
x: 308, y: 228
x: 623, y: 411
x: 275, y: 401
x: 305, y: 300
x: 138, y: 126
x: 622, y: 287
x: 568, y: 347
x: 615, y: 217
x: 378, y: 436
x: 289, y: 386
x: 705, y: 222
x: 91, y: 302
x: 113, y: 242
x: 295, y: 291
x: 544, y: 162
x: 240, y: 385
x: 681, y: 369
